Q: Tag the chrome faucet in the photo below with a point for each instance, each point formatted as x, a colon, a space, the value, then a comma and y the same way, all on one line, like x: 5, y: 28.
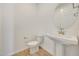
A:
x: 61, y: 30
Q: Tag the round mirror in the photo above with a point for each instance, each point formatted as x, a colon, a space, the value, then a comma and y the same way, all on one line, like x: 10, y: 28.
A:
x: 64, y: 16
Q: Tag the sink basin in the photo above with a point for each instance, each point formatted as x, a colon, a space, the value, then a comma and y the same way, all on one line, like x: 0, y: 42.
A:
x: 63, y: 39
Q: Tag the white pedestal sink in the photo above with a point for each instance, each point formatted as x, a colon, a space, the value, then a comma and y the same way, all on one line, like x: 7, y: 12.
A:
x: 61, y: 41
x: 64, y: 39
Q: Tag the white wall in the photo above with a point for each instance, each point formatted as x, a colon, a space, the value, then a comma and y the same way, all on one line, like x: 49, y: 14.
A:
x: 0, y: 29
x: 8, y: 28
x: 30, y: 21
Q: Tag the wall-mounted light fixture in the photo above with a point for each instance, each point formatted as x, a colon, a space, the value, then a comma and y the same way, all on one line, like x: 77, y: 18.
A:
x: 76, y: 8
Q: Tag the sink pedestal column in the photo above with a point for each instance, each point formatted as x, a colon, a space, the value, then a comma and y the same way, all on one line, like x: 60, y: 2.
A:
x: 59, y: 49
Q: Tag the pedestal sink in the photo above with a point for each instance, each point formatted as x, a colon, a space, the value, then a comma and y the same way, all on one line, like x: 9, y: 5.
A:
x: 64, y: 18
x: 62, y: 42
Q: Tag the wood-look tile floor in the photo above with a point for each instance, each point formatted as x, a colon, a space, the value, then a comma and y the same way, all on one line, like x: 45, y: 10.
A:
x: 41, y: 52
